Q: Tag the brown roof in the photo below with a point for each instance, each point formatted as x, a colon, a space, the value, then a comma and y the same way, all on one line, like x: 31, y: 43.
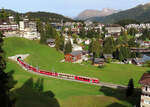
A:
x: 145, y: 79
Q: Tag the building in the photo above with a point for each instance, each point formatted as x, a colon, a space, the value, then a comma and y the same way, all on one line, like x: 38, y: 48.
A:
x: 140, y: 50
x: 76, y: 47
x: 113, y: 29
x: 106, y: 56
x: 74, y: 57
x: 7, y: 26
x: 98, y: 62
x: 141, y: 61
x: 51, y: 42
x: 87, y: 42
x: 145, y: 95
x: 28, y: 29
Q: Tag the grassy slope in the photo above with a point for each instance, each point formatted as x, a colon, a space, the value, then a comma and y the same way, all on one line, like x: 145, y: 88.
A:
x: 48, y: 58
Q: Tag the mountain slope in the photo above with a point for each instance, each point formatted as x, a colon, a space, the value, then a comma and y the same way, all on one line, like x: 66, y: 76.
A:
x: 140, y: 13
x: 95, y: 13
x: 43, y: 16
x: 47, y: 16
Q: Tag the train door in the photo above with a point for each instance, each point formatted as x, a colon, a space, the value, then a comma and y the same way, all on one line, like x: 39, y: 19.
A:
x: 91, y: 81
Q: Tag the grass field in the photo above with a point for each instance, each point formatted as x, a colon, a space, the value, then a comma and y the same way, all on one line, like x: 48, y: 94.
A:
x: 63, y: 93
x: 49, y: 59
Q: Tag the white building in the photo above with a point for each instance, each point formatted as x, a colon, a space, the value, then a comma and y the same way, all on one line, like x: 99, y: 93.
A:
x: 76, y: 47
x: 87, y: 42
x: 28, y: 30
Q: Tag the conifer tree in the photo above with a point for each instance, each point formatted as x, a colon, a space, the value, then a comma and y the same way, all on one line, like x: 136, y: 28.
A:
x: 130, y: 89
x: 4, y: 88
x: 68, y: 47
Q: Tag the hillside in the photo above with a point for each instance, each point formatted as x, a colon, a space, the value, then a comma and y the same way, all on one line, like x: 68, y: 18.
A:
x: 140, y: 13
x: 95, y: 13
x: 43, y: 16
x: 47, y: 16
x: 59, y: 93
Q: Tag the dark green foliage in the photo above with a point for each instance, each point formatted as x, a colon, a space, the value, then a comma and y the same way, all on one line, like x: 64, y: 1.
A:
x: 132, y: 43
x: 43, y: 16
x: 127, y: 22
x: 39, y: 25
x: 47, y: 16
x: 147, y: 64
x: 132, y: 31
x: 146, y: 34
x: 108, y: 46
x: 17, y: 18
x: 130, y: 89
x: 119, y: 93
x: 3, y: 14
x: 43, y: 37
x: 4, y: 79
x: 95, y: 48
x: 59, y: 43
x: 68, y: 47
x: 82, y: 33
x: 122, y: 53
x: 46, y: 32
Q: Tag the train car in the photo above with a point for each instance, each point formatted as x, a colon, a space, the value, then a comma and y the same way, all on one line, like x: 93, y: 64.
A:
x: 87, y: 79
x: 95, y: 80
x: 80, y: 78
x: 60, y: 75
x: 68, y: 76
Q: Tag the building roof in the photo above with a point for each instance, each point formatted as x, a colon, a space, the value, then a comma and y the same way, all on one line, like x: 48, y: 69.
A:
x: 108, y: 56
x: 113, y: 25
x: 145, y: 79
x: 97, y: 60
x: 50, y: 40
x: 143, y: 59
x: 75, y: 53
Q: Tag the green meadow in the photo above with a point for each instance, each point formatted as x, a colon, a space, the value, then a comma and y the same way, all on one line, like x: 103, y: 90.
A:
x: 60, y: 93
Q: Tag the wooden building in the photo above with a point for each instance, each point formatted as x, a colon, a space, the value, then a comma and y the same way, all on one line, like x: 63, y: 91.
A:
x: 73, y: 56
x: 145, y: 95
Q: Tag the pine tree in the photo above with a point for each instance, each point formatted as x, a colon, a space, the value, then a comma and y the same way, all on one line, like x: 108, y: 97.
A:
x: 57, y: 43
x: 130, y: 89
x: 62, y: 40
x: 17, y: 18
x: 68, y: 47
x: 109, y: 45
x: 4, y: 88
x: 42, y: 37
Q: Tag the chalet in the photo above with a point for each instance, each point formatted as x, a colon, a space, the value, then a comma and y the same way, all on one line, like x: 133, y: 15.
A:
x: 98, y: 62
x: 87, y: 42
x: 7, y: 26
x: 144, y: 43
x: 106, y: 56
x: 113, y: 29
x: 145, y: 95
x: 141, y: 50
x: 74, y: 57
x: 141, y: 61
x: 51, y: 42
x: 76, y: 47
x: 79, y: 40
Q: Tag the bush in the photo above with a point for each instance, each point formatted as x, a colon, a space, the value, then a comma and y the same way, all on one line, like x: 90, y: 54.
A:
x: 109, y: 60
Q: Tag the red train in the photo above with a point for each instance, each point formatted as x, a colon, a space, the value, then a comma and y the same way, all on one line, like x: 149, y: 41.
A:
x: 55, y: 74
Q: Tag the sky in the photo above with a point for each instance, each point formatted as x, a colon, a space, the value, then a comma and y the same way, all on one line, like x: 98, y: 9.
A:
x: 69, y: 8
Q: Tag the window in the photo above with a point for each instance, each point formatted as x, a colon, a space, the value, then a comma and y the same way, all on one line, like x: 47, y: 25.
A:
x: 147, y: 102
x: 146, y: 88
